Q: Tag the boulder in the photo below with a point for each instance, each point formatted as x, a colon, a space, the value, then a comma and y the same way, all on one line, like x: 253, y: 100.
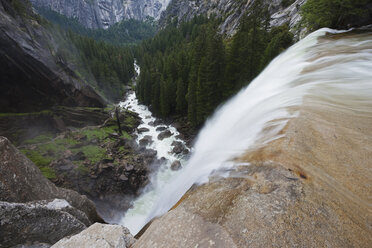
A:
x: 145, y: 141
x: 39, y: 221
x: 143, y: 130
x: 178, y: 147
x: 21, y: 181
x: 164, y: 135
x: 176, y: 165
x: 158, y: 122
x: 99, y: 235
x: 161, y: 129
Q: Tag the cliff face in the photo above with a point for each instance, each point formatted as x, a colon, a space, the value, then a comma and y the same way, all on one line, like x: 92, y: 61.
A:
x: 104, y: 13
x: 32, y: 77
x: 231, y: 12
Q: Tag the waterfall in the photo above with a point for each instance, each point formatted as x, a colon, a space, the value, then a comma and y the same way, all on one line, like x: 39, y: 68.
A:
x: 327, y: 64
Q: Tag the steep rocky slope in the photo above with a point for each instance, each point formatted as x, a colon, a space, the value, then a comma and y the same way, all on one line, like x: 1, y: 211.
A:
x: 32, y: 77
x: 232, y: 11
x: 104, y: 13
x: 31, y: 207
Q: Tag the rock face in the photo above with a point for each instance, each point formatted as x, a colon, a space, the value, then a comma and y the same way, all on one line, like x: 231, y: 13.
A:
x: 104, y: 13
x: 99, y: 235
x: 40, y: 221
x: 32, y: 78
x: 231, y: 11
x: 310, y: 188
x: 21, y: 181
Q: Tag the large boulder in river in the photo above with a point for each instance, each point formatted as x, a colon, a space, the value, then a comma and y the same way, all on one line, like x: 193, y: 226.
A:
x: 164, y: 135
x: 142, y: 130
x: 310, y: 188
x: 21, y: 181
x: 40, y: 221
x: 99, y: 235
x: 178, y: 147
x: 145, y: 141
x: 161, y: 128
x: 176, y: 165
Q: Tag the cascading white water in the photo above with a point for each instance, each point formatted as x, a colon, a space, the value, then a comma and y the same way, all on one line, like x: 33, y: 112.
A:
x: 136, y: 217
x: 315, y: 66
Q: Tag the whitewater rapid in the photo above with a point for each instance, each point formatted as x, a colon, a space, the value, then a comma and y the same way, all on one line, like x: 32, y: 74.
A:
x: 136, y: 217
x: 315, y: 66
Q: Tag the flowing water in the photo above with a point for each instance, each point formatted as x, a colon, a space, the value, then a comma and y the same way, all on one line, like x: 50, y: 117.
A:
x: 327, y: 64
x: 136, y: 217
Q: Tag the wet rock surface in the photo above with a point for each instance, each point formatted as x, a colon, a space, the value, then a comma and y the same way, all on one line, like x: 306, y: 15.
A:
x: 165, y: 134
x: 176, y: 165
x: 142, y: 130
x: 161, y: 129
x: 179, y: 148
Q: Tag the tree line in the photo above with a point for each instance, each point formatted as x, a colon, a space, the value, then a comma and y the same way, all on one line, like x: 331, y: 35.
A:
x: 188, y: 70
x: 108, y: 68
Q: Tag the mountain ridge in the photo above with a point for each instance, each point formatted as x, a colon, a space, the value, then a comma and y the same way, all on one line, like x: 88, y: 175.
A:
x: 104, y: 13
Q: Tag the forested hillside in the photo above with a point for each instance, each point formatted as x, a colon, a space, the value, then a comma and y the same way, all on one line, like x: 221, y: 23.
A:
x: 336, y: 14
x: 108, y: 68
x: 189, y: 70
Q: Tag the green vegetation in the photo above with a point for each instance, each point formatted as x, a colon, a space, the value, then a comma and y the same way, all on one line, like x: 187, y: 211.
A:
x: 108, y: 68
x: 127, y: 31
x: 332, y: 13
x: 19, y: 7
x: 102, y: 133
x: 188, y: 70
x: 93, y: 153
x: 37, y: 158
x: 286, y: 3
x: 48, y: 172
x: 43, y: 149
x: 39, y: 139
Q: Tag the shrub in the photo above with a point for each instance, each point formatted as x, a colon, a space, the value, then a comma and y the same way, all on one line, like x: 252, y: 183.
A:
x: 332, y: 13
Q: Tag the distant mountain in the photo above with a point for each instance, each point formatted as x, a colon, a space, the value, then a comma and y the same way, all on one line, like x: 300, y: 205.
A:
x: 105, y: 13
x: 123, y: 32
x: 231, y: 11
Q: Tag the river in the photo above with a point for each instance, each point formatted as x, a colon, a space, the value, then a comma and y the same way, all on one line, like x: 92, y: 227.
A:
x: 136, y: 217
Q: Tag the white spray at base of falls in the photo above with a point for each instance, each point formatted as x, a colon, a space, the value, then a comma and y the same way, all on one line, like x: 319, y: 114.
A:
x: 315, y: 66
